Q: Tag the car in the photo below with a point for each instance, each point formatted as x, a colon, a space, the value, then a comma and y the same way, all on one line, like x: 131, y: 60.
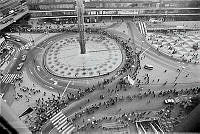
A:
x: 11, y: 11
x: 7, y: 37
x: 23, y: 57
x: 169, y: 101
x: 154, y: 20
x: 1, y: 95
x: 18, y: 40
x: 12, y: 51
x: 148, y: 67
x: 20, y: 66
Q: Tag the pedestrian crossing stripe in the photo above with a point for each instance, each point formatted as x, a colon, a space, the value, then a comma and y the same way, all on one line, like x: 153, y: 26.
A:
x: 9, y: 78
x: 69, y: 130
x: 142, y: 28
x: 62, y: 124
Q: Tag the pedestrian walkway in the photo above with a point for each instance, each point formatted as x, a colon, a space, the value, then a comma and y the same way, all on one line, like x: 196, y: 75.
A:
x: 62, y: 123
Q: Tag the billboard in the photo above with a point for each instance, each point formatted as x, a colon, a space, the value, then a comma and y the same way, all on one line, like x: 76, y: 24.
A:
x: 109, y: 12
x: 126, y: 12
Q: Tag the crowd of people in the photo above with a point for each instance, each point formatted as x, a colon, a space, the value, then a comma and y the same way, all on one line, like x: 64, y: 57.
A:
x: 47, y: 109
x: 49, y: 27
x: 29, y: 92
x: 58, y: 104
x: 137, y: 116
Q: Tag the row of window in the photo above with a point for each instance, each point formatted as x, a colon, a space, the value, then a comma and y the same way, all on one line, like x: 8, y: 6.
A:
x: 59, y: 6
x: 117, y: 12
x: 110, y: 5
x: 49, y: 14
x: 48, y: 1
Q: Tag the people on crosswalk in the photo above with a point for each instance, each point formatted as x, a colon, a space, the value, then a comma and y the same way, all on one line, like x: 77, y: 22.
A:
x: 62, y: 123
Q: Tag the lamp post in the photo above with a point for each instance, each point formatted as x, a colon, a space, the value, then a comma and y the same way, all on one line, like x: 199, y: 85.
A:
x: 182, y: 67
x: 65, y: 89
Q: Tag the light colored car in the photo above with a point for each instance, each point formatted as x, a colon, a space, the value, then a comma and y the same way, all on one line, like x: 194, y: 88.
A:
x: 23, y: 57
x: 169, y: 101
x: 7, y: 37
x: 18, y: 40
x: 20, y: 66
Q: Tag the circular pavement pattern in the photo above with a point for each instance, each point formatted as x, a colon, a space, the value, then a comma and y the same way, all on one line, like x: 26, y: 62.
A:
x: 63, y: 58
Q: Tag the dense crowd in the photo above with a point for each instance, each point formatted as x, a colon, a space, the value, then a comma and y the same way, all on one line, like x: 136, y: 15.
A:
x: 54, y: 28
x: 137, y: 116
x: 57, y: 104
x: 47, y: 109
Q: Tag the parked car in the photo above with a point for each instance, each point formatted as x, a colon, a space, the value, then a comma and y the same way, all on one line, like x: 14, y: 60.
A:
x: 20, y: 66
x: 18, y: 40
x: 23, y: 57
x: 169, y: 101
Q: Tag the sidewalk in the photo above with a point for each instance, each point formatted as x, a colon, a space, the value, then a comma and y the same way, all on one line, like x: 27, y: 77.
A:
x: 20, y: 105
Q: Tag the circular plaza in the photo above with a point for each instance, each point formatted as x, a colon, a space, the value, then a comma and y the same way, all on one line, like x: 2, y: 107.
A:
x: 62, y: 58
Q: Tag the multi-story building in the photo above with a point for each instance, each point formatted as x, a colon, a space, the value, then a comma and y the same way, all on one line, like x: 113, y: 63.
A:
x: 166, y: 9
x: 11, y: 11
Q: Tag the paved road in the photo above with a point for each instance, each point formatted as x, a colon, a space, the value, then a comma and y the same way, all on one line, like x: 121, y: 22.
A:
x: 15, y: 61
x: 163, y: 60
x: 151, y: 54
x: 40, y: 74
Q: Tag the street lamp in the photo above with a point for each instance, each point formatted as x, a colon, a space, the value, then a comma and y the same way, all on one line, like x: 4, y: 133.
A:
x: 65, y: 89
x: 182, y: 67
x: 142, y: 45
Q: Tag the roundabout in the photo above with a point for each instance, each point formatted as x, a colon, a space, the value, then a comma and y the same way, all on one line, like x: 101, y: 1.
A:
x: 108, y: 59
x: 115, y: 75
x: 63, y: 58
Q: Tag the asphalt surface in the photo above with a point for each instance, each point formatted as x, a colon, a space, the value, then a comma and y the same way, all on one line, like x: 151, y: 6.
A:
x: 34, y: 67
x: 12, y: 67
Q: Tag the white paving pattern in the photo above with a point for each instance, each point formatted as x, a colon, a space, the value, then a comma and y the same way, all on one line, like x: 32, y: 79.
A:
x: 63, y: 58
x: 180, y: 46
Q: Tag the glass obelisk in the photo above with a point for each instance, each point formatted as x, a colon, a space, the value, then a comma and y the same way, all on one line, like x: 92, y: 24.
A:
x: 81, y: 27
